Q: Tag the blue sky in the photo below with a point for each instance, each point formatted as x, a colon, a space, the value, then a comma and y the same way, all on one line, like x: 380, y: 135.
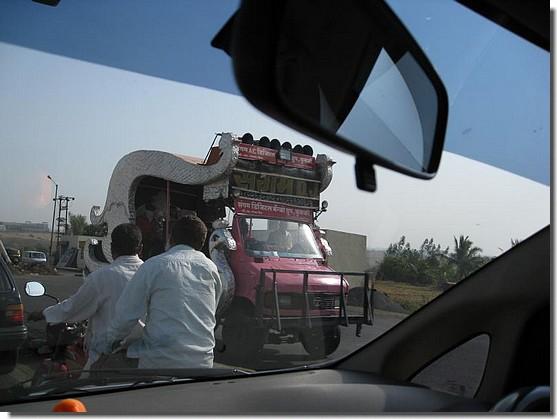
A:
x: 484, y: 81
x: 170, y: 41
x: 74, y: 119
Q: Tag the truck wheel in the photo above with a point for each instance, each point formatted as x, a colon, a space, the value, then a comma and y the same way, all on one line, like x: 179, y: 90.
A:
x: 320, y: 342
x: 8, y: 360
x: 242, y: 338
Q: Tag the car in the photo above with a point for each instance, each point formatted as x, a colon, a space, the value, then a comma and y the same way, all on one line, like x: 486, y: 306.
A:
x: 13, y: 330
x: 33, y: 257
x: 14, y: 255
x: 435, y: 117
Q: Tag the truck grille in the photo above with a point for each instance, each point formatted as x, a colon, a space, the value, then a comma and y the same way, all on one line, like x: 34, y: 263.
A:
x: 317, y: 301
x: 323, y: 301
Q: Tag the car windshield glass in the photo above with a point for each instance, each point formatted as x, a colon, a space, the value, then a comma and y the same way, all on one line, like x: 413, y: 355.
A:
x: 278, y: 238
x: 124, y: 140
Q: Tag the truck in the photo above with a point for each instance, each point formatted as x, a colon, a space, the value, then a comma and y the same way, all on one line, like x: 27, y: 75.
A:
x: 260, y: 200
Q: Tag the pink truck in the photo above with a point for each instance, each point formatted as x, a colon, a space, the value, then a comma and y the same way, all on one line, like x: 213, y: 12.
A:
x: 260, y: 200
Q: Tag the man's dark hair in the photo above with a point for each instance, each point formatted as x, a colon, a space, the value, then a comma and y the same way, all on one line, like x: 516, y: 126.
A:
x: 126, y: 239
x: 189, y: 230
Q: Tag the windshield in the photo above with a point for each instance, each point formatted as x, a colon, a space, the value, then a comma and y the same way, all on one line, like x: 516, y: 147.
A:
x: 279, y: 238
x: 121, y: 130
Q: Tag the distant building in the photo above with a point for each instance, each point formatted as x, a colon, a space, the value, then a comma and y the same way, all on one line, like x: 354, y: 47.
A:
x: 349, y: 251
x: 26, y: 227
x: 72, y: 250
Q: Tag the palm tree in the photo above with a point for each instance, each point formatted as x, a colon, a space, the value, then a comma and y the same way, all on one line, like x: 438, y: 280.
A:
x: 465, y: 256
x: 78, y: 223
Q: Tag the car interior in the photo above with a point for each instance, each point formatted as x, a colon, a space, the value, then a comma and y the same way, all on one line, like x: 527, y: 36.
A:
x: 504, y: 308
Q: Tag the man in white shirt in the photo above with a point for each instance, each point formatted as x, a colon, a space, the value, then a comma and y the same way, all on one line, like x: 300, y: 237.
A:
x: 96, y: 299
x: 280, y: 239
x: 177, y: 293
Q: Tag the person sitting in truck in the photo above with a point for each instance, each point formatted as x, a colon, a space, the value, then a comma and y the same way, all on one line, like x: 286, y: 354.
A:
x: 280, y: 239
x: 179, y: 290
x: 244, y: 228
x: 249, y: 242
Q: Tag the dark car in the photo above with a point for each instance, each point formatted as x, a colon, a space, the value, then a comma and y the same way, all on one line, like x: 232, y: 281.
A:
x: 13, y: 331
x: 14, y: 255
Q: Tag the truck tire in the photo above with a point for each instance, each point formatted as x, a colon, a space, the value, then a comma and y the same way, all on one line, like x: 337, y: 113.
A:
x: 243, y: 340
x: 320, y: 342
x: 8, y: 361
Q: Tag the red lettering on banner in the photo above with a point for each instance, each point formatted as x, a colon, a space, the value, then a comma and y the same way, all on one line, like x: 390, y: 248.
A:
x: 272, y: 210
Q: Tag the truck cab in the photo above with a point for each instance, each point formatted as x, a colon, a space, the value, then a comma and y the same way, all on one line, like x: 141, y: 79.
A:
x: 285, y: 291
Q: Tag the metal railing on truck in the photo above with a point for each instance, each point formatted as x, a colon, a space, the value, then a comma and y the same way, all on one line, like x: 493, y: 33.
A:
x: 367, y: 316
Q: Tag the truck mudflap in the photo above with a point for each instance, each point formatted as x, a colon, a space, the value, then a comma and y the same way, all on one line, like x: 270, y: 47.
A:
x: 306, y: 319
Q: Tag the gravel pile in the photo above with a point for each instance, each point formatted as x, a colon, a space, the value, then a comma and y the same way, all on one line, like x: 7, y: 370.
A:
x: 380, y: 300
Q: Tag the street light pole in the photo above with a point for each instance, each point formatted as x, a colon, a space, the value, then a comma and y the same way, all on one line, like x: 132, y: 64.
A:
x: 53, y: 216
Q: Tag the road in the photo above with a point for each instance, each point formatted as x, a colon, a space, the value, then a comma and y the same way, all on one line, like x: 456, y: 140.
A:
x: 274, y: 356
x: 444, y: 376
x: 294, y: 354
x: 60, y: 286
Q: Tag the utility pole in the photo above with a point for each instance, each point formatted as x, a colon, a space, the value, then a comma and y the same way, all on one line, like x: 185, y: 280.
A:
x: 62, y: 221
x: 53, y: 215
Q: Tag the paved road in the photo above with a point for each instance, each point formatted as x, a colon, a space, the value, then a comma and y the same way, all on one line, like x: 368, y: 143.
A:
x: 60, y: 286
x: 291, y: 355
x: 274, y: 356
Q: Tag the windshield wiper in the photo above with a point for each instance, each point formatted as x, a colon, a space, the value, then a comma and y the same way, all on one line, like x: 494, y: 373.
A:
x: 126, y: 378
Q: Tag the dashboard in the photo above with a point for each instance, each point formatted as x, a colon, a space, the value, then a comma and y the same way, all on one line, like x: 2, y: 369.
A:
x: 325, y: 391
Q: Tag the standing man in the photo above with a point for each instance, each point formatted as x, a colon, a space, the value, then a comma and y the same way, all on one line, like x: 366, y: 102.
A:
x: 177, y: 293
x: 96, y: 299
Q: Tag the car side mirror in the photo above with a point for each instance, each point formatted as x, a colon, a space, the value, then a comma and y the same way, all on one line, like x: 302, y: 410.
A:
x: 34, y: 289
x: 346, y: 73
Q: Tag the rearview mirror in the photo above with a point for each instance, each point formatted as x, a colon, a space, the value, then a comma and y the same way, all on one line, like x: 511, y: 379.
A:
x: 346, y: 73
x: 34, y: 289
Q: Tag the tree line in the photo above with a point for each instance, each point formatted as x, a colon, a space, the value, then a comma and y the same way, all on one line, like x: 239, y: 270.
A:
x: 80, y: 227
x: 430, y: 264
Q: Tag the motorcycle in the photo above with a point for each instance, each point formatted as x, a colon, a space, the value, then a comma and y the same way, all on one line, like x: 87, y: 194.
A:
x: 63, y: 345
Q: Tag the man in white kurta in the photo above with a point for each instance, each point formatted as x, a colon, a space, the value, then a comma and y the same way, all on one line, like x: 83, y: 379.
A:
x: 96, y: 299
x: 177, y: 293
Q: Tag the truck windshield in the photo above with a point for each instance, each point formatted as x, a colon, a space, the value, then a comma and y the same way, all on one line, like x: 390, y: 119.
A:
x: 277, y: 238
